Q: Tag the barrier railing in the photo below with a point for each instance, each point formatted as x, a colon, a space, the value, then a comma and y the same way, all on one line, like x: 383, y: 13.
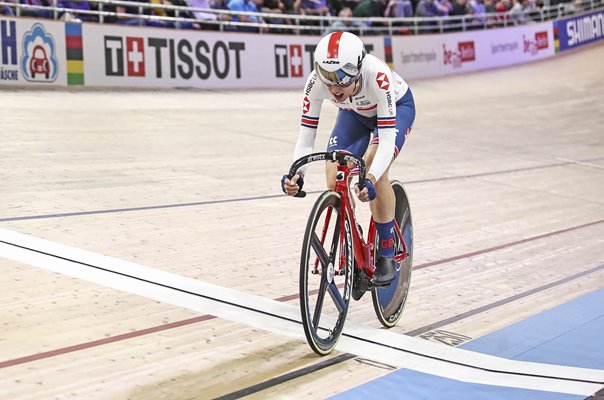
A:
x: 295, y: 23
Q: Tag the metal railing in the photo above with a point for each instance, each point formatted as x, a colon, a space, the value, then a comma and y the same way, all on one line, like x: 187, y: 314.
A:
x: 182, y: 17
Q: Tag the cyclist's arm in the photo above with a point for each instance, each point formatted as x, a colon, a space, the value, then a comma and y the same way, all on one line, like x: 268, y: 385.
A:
x: 386, y: 114
x: 311, y: 109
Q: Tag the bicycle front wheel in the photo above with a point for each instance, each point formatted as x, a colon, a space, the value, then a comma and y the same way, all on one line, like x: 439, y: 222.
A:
x: 389, y: 301
x: 326, y: 268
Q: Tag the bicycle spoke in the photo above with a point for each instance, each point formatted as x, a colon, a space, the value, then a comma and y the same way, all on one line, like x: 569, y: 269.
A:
x: 337, y: 298
x: 319, y: 304
x: 320, y: 251
x: 335, y: 240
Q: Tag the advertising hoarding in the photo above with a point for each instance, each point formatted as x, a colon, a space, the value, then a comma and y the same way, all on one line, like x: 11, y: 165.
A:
x: 452, y: 53
x: 579, y: 30
x: 32, y: 52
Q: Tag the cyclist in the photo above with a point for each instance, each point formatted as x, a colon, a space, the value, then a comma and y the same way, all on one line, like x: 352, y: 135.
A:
x: 376, y: 113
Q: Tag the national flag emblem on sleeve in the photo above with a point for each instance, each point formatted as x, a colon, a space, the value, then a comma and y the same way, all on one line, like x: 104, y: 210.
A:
x: 382, y: 81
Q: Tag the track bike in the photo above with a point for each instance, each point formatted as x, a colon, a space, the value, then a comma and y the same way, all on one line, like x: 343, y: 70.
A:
x: 337, y: 260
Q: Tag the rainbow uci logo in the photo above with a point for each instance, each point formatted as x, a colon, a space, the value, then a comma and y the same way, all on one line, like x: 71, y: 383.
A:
x: 39, y: 61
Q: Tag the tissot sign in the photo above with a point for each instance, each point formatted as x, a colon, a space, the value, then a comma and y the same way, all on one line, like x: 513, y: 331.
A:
x: 163, y: 58
x: 150, y: 57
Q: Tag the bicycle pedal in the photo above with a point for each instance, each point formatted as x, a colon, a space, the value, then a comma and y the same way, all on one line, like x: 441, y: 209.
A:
x: 360, y: 285
x: 373, y: 285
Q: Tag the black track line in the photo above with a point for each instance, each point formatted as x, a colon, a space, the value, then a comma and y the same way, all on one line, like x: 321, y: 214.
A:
x: 467, y: 314
x: 252, y: 309
x: 286, y: 377
x: 243, y: 199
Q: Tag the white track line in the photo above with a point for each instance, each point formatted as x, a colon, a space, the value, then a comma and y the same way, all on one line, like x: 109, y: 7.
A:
x: 375, y: 344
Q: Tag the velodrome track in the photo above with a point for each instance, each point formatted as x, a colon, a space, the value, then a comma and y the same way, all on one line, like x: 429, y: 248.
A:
x: 147, y: 252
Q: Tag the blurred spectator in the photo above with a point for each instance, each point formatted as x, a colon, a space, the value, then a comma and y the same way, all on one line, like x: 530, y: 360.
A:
x: 518, y: 12
x: 272, y: 7
x: 352, y: 4
x: 444, y: 7
x: 399, y: 9
x: 124, y: 19
x: 136, y: 10
x: 478, y: 10
x: 460, y: 7
x: 489, y: 7
x: 342, y: 25
x: 201, y: 15
x: 5, y: 10
x: 311, y: 7
x: 335, y: 6
x: 502, y: 7
x: 430, y: 9
x: 222, y: 5
x: 173, y: 13
x: 246, y: 6
x: 570, y: 6
x: 370, y: 8
x: 426, y: 8
x: 36, y: 13
x: 75, y: 16
x: 159, y: 12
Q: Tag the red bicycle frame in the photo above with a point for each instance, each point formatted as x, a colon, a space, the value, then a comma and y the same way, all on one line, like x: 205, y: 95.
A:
x: 363, y: 253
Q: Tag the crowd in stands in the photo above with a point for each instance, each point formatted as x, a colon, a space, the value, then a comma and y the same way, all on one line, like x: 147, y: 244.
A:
x: 476, y: 11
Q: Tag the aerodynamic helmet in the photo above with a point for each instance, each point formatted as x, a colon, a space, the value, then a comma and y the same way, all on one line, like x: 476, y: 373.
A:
x: 338, y: 58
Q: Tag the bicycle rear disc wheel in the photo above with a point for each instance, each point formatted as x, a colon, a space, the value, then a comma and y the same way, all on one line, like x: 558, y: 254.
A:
x: 389, y: 301
x: 324, y: 290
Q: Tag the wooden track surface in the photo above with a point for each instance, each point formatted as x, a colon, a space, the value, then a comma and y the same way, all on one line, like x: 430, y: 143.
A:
x: 504, y: 170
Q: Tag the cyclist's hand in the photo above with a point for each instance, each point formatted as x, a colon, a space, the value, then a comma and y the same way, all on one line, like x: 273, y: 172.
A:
x: 368, y: 193
x: 293, y: 186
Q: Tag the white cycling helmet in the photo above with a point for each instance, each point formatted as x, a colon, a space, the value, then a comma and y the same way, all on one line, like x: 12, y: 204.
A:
x: 338, y: 58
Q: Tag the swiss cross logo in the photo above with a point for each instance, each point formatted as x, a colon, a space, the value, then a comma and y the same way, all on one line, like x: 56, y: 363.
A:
x: 382, y: 81
x: 135, y: 56
x: 292, y: 59
x: 295, y: 61
x: 305, y: 105
x: 132, y: 51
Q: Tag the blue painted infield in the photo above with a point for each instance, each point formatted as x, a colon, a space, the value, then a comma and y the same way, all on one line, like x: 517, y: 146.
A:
x: 405, y: 384
x: 570, y: 334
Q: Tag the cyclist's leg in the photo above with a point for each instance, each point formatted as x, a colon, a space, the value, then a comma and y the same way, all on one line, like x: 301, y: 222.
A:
x: 383, y: 207
x: 350, y: 133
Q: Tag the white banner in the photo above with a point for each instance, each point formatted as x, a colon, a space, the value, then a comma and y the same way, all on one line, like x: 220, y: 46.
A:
x: 47, y: 52
x: 438, y: 55
x: 148, y: 57
x: 32, y: 52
